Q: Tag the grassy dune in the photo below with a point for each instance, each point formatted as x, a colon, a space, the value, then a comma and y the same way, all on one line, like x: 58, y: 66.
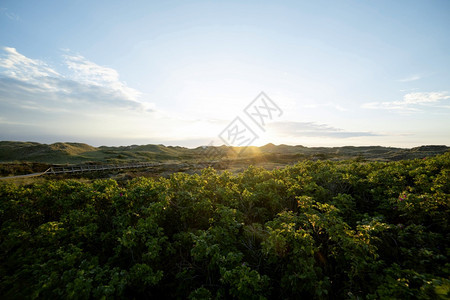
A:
x: 75, y: 153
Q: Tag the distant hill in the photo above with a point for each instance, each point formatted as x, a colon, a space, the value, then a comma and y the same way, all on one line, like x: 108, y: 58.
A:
x: 35, y: 152
x: 76, y: 153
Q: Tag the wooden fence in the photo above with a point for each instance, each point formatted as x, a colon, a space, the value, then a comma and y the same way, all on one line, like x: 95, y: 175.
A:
x: 90, y: 168
x: 85, y: 168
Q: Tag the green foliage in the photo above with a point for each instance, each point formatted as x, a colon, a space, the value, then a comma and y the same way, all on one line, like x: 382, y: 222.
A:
x: 315, y: 230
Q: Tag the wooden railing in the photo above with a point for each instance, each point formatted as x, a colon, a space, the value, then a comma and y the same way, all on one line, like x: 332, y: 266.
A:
x: 85, y: 168
x: 90, y: 168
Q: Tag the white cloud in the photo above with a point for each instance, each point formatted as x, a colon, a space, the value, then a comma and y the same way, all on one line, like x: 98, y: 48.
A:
x: 410, y: 102
x: 311, y: 129
x: 17, y: 66
x: 388, y: 106
x: 408, y: 90
x: 423, y: 98
x: 410, y: 78
x: 9, y: 15
x: 25, y: 79
x: 90, y: 73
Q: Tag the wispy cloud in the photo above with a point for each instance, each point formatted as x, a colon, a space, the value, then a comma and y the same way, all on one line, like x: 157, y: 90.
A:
x: 411, y: 78
x: 311, y: 129
x: 33, y: 84
x: 408, y: 90
x: 10, y: 15
x: 17, y: 66
x: 326, y: 105
x: 411, y: 102
x: 89, y: 73
x: 423, y: 98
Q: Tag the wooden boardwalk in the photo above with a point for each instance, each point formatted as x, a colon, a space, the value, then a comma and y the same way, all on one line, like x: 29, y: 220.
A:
x: 90, y: 168
x: 85, y: 168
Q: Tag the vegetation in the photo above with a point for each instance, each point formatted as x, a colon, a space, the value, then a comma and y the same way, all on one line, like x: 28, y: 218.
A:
x: 315, y: 230
x: 77, y: 153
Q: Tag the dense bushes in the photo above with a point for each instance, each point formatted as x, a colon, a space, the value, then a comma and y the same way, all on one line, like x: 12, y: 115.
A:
x: 316, y: 230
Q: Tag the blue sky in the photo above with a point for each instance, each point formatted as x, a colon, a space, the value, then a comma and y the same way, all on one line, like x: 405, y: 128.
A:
x: 178, y: 72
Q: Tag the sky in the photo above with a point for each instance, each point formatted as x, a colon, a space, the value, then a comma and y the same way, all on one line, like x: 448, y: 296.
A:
x: 191, y: 73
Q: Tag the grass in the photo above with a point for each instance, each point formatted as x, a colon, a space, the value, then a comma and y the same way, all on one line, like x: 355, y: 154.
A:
x: 17, y: 158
